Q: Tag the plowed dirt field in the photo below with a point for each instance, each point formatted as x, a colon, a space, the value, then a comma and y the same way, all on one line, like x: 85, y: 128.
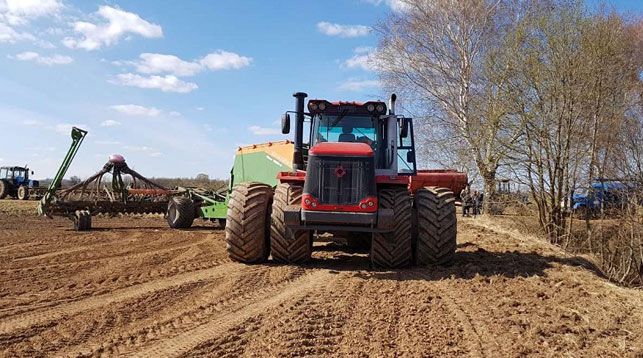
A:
x: 133, y: 287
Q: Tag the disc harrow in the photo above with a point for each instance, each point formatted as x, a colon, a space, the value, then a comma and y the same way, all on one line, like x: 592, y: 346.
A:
x: 115, y: 189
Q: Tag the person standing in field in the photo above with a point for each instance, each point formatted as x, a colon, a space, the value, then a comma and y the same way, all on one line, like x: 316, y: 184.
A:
x: 475, y: 202
x: 466, y: 199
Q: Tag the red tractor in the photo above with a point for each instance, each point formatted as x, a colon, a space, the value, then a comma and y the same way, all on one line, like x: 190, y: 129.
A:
x: 355, y: 176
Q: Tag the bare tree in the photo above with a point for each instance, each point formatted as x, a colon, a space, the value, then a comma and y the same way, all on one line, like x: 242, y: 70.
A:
x: 571, y: 73
x: 435, y: 53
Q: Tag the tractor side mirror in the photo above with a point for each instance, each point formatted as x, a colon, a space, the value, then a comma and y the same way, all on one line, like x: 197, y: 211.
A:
x: 32, y: 172
x: 410, y: 156
x: 285, y: 123
x: 404, y: 127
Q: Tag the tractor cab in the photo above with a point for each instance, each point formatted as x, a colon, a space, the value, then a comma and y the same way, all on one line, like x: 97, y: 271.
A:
x: 17, y: 175
x: 15, y: 182
x: 353, y: 150
x: 389, y: 137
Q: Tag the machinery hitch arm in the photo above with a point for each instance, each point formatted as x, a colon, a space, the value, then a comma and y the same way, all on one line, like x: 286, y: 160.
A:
x: 77, y: 136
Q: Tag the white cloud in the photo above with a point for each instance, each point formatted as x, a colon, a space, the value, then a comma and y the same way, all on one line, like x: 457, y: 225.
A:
x: 167, y: 83
x: 154, y: 63
x: 44, y: 60
x: 359, y: 85
x: 119, y: 24
x: 174, y: 114
x: 200, y: 108
x: 8, y: 34
x: 395, y: 5
x: 224, y: 60
x: 136, y: 110
x: 110, y: 123
x: 20, y: 12
x: 256, y: 130
x: 32, y: 8
x: 331, y: 29
x: 363, y: 58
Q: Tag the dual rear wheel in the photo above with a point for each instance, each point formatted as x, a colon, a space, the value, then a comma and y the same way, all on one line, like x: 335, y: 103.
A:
x: 424, y: 232
x: 255, y: 225
x: 425, y: 229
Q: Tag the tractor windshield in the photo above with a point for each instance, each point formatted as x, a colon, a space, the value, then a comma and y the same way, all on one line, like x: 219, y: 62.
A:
x: 356, y: 129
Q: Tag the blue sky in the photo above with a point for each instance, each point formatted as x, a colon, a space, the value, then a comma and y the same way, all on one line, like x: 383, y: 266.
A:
x: 174, y: 86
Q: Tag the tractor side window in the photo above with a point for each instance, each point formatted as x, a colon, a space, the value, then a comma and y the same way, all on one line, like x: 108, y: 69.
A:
x: 406, y: 152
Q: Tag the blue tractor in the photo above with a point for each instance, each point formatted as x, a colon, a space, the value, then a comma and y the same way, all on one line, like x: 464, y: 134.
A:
x: 15, y: 182
x: 611, y: 195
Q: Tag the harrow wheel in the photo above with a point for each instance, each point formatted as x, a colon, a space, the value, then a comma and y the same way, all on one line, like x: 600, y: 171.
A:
x: 289, y: 246
x: 247, y: 232
x: 180, y: 212
x: 82, y: 220
x: 23, y: 193
x: 394, y: 249
x: 436, y: 226
x: 4, y: 188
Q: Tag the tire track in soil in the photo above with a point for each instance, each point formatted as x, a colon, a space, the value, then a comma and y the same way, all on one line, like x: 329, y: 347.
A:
x: 312, y: 325
x: 214, y: 299
x: 258, y: 304
x: 84, y: 326
x: 42, y: 316
x: 475, y: 336
x: 103, y: 285
x: 316, y: 326
x: 92, y: 250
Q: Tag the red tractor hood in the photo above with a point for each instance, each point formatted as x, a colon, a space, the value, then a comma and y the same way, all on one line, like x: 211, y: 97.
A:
x: 340, y: 149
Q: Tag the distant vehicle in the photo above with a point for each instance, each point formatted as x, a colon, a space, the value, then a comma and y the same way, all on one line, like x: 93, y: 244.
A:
x: 15, y: 182
x: 602, y: 195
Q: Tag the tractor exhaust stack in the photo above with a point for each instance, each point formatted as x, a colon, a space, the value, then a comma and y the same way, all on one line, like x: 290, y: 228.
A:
x: 298, y: 157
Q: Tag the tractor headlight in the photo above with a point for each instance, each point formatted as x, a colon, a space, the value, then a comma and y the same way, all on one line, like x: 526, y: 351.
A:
x: 370, y: 107
x: 322, y: 106
x: 312, y: 106
x: 380, y: 108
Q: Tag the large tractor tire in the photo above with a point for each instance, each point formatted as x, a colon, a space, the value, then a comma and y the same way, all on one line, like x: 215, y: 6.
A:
x: 180, y: 212
x: 82, y: 220
x: 288, y: 246
x: 436, y: 226
x: 4, y: 188
x: 23, y: 193
x: 394, y: 249
x: 247, y: 230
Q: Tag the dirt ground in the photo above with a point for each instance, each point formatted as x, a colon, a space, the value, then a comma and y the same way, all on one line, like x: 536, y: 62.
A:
x: 134, y: 287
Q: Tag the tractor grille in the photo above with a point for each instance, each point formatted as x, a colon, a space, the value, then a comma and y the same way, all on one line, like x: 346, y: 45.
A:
x: 340, y: 181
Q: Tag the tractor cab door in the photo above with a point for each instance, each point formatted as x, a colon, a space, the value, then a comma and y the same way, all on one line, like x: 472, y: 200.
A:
x: 405, y: 147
